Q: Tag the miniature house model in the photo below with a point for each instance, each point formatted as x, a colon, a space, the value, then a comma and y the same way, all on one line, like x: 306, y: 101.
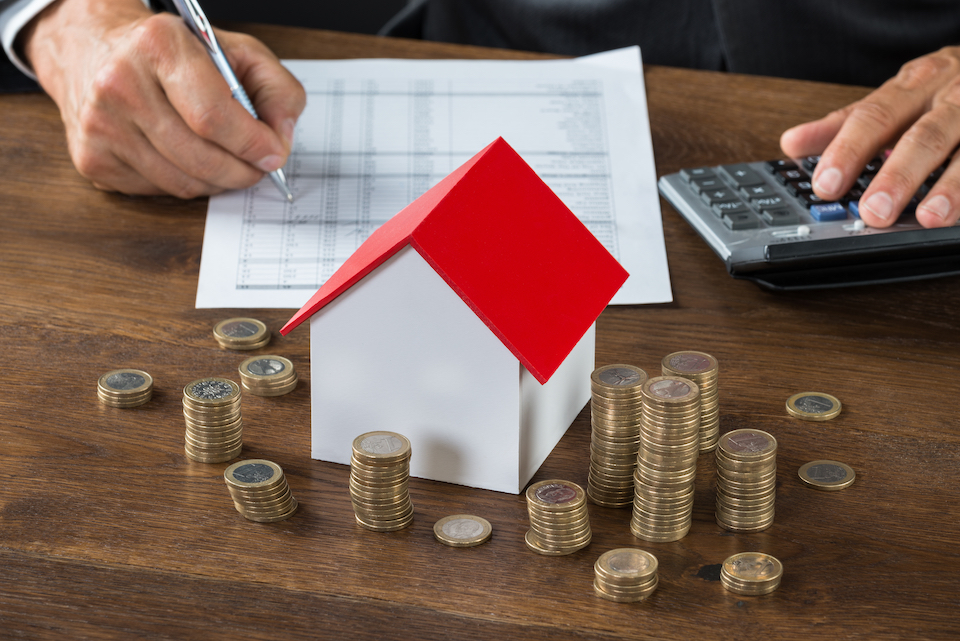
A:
x: 465, y: 323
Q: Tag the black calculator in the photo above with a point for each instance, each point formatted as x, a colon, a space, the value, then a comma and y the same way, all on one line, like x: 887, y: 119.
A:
x: 764, y: 221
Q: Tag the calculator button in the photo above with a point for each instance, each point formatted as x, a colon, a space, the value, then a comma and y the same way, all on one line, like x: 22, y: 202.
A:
x: 773, y: 166
x: 770, y: 202
x: 810, y: 162
x: 730, y: 207
x: 800, y: 187
x: 873, y: 166
x: 697, y: 173
x: 758, y: 191
x: 790, y: 175
x: 780, y: 217
x: 854, y: 207
x: 702, y: 184
x: 810, y: 199
x: 742, y: 220
x: 864, y: 181
x: 741, y: 175
x: 828, y: 212
x: 718, y: 196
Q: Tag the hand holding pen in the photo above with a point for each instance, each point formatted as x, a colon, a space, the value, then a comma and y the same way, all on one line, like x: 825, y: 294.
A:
x: 146, y: 112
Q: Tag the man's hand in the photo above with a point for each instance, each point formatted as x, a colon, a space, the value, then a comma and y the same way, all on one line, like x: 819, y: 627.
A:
x: 919, y: 110
x: 145, y: 109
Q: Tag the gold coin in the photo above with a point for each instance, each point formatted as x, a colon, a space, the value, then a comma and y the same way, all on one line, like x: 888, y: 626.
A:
x: 751, y: 573
x: 827, y: 475
x: 241, y: 333
x: 254, y: 473
x: 380, y: 448
x: 813, y: 406
x: 125, y: 388
x: 462, y: 530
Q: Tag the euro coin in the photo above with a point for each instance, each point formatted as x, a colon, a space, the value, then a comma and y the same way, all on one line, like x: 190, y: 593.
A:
x: 813, y: 406
x: 241, y: 334
x: 462, y: 530
x: 125, y: 388
x: 751, y: 573
x: 827, y: 475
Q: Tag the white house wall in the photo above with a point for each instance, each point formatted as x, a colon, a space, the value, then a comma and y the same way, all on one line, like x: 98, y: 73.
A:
x: 548, y: 410
x: 401, y: 351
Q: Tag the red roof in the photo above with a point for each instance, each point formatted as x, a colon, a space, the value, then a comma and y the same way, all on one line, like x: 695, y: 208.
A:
x: 508, y: 246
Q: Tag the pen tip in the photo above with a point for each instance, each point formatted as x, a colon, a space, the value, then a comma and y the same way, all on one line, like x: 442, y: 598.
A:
x: 289, y: 197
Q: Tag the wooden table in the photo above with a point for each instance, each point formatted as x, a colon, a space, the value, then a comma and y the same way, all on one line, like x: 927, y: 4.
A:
x: 107, y: 530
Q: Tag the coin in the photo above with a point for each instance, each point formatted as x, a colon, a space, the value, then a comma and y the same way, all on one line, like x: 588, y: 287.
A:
x: 259, y: 490
x: 214, y: 425
x: 751, y: 573
x: 462, y: 530
x: 379, y: 475
x: 268, y: 375
x: 827, y: 475
x: 241, y: 333
x: 125, y: 388
x: 813, y: 406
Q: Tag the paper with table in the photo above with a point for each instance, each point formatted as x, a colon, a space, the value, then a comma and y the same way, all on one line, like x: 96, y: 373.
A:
x: 376, y: 134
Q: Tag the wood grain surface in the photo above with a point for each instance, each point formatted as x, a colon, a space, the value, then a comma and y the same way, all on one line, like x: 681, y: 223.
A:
x: 108, y: 531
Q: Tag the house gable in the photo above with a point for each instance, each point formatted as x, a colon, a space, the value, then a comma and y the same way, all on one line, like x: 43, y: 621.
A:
x: 507, y: 245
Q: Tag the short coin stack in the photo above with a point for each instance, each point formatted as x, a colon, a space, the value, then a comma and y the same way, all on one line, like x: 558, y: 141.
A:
x: 559, y: 522
x: 615, y: 409
x: 268, y: 375
x: 379, y: 476
x: 751, y: 573
x: 211, y: 408
x: 125, y: 388
x: 667, y: 459
x: 241, y: 334
x: 703, y: 370
x: 746, y: 480
x: 625, y: 575
x: 462, y: 530
x: 260, y: 491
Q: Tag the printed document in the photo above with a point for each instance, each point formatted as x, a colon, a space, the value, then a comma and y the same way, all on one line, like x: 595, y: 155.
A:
x: 376, y: 134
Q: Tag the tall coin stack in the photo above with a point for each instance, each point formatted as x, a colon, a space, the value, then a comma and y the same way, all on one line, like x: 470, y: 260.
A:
x: 260, y: 491
x: 703, y: 370
x: 559, y: 522
x: 379, y: 476
x: 667, y: 459
x: 625, y: 575
x: 211, y: 409
x: 615, y: 409
x: 268, y: 375
x: 746, y: 480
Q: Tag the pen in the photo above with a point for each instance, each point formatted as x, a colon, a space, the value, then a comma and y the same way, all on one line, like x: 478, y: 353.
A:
x: 193, y: 15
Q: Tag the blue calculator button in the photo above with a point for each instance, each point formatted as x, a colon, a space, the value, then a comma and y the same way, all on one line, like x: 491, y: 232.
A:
x: 828, y: 212
x: 854, y: 207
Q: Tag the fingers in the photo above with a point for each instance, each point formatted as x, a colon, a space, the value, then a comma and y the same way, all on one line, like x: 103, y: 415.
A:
x: 921, y: 108
x: 920, y: 151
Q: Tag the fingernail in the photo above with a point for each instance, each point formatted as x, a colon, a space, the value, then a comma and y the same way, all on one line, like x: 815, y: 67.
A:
x: 880, y: 205
x: 829, y: 181
x: 286, y: 130
x: 270, y: 163
x: 939, y: 206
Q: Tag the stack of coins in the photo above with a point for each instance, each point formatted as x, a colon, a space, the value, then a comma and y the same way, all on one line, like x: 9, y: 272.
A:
x: 559, y: 522
x: 703, y: 370
x: 615, y: 409
x: 211, y: 408
x: 260, y: 491
x: 462, y: 530
x: 667, y: 459
x: 268, y: 375
x: 241, y: 333
x: 125, y: 388
x: 625, y: 575
x: 751, y: 573
x: 746, y: 480
x: 379, y: 475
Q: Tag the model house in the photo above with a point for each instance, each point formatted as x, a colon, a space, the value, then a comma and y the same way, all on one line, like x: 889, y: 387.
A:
x: 465, y: 323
